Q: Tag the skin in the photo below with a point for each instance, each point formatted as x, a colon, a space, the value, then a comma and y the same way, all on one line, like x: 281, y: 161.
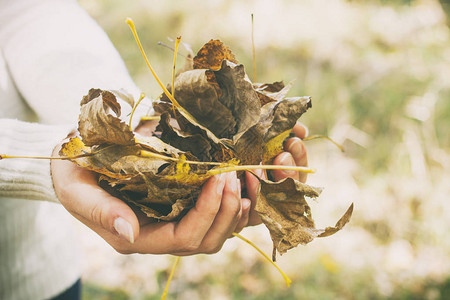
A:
x: 219, y: 210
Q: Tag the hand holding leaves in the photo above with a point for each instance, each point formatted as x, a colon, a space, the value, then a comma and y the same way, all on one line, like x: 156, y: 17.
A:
x: 226, y: 123
x: 219, y: 211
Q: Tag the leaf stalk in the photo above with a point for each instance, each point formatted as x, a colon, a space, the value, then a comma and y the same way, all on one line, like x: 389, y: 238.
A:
x: 286, y: 278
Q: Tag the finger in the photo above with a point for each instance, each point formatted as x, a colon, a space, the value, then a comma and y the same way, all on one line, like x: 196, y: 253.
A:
x: 284, y: 159
x: 227, y: 218
x: 186, y: 236
x: 297, y: 149
x: 193, y: 227
x: 118, y: 243
x: 245, y: 208
x: 252, y: 185
x: 300, y: 130
x: 82, y: 197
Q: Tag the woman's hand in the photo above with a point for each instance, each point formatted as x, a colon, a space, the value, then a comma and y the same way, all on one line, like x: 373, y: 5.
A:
x: 218, y: 212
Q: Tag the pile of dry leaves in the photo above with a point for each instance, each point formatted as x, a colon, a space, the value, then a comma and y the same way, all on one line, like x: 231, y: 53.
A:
x: 223, y: 121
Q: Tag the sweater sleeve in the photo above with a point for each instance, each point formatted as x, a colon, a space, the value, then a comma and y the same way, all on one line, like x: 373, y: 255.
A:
x: 55, y: 53
x: 28, y: 178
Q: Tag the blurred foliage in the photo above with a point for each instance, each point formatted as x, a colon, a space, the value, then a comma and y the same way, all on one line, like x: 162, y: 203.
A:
x: 379, y: 76
x: 96, y: 292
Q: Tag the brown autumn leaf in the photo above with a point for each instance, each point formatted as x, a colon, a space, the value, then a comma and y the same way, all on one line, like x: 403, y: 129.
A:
x: 269, y: 87
x: 285, y: 116
x: 224, y: 100
x: 211, y: 55
x: 156, y: 145
x: 160, y: 199
x: 195, y: 144
x: 115, y: 161
x: 271, y: 92
x: 97, y: 126
x: 238, y: 95
x: 199, y: 96
x: 287, y: 215
x: 275, y: 91
x: 266, y: 138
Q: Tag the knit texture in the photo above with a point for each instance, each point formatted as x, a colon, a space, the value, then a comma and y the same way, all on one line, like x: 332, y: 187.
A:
x: 51, y: 54
x: 28, y: 178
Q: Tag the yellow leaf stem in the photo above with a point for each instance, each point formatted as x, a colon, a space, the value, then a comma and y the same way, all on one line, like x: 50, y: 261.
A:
x: 264, y: 167
x: 134, y: 108
x: 253, y: 52
x: 286, y: 278
x: 177, y: 43
x: 136, y: 37
x: 175, y: 103
x: 226, y: 167
x: 4, y: 156
x: 150, y: 118
x: 164, y: 295
x: 145, y: 153
x: 313, y: 137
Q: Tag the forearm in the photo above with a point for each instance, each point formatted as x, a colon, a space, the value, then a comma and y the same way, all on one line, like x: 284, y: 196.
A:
x: 56, y: 54
x: 28, y: 178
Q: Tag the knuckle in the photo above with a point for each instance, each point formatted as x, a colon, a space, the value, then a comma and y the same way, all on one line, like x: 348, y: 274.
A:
x: 235, y: 210
x: 212, y: 249
x: 209, y: 213
x: 190, y: 245
x: 96, y: 214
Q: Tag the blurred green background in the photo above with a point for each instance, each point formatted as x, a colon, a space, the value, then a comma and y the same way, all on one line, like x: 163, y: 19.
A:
x: 379, y: 76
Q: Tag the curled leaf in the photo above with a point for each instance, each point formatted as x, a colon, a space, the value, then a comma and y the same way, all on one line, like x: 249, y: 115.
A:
x: 264, y: 140
x: 272, y: 92
x: 196, y: 144
x: 97, y: 126
x: 285, y: 212
x: 238, y: 95
x: 197, y: 94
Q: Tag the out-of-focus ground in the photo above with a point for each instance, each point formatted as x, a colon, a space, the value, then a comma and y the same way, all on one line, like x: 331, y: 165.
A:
x: 379, y: 76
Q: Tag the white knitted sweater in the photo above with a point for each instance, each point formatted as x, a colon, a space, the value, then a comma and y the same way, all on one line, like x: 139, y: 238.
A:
x: 51, y: 54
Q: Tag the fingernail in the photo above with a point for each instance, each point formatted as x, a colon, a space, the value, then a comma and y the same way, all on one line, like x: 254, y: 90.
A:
x: 246, y: 203
x: 124, y: 229
x: 304, y: 126
x: 221, y: 178
x: 260, y: 173
x: 296, y: 148
x: 286, y: 159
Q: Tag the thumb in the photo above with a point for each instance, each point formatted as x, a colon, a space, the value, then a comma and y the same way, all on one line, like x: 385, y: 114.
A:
x: 80, y: 194
x: 110, y: 213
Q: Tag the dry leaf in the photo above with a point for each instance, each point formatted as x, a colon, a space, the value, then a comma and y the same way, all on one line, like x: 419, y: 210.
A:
x: 97, y: 126
x: 238, y: 95
x: 195, y: 144
x: 197, y: 95
x: 287, y: 215
x: 271, y: 92
x: 264, y: 140
x: 211, y: 55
